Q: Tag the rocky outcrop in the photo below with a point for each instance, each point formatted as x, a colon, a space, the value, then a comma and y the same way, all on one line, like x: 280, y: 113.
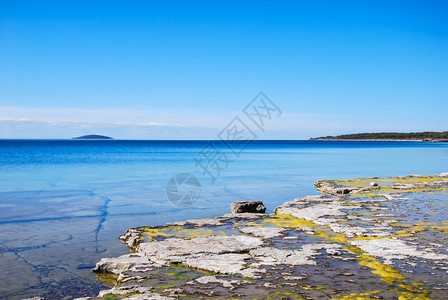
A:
x: 369, y: 239
x: 327, y: 187
x: 419, y: 183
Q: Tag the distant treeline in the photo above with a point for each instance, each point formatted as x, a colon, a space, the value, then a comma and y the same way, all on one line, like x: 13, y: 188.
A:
x: 427, y: 135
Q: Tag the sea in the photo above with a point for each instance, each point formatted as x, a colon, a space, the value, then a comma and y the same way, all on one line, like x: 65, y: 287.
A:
x: 65, y: 203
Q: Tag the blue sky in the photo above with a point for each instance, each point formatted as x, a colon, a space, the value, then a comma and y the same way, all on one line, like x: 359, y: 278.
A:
x: 178, y: 69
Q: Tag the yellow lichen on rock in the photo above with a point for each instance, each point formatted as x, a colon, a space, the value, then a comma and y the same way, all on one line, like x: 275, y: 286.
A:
x: 178, y: 231
x: 389, y: 185
x: 386, y: 273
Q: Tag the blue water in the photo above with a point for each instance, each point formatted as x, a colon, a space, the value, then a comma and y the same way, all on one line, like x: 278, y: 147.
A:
x: 64, y: 203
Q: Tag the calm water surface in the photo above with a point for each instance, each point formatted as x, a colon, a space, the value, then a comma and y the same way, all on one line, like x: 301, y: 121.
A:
x: 64, y: 203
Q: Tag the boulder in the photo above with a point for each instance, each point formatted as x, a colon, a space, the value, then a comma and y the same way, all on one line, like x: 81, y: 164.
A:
x: 247, y: 207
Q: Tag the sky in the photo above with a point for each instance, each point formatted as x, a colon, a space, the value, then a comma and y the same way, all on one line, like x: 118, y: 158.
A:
x: 185, y: 69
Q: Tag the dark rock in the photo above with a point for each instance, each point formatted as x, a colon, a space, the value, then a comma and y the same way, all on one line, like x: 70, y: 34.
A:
x: 247, y: 207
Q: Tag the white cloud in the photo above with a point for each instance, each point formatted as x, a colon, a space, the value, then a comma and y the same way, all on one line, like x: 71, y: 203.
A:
x: 66, y: 130
x: 19, y: 122
x: 174, y: 117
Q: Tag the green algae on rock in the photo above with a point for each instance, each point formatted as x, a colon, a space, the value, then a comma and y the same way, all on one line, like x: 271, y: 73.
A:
x: 357, y: 241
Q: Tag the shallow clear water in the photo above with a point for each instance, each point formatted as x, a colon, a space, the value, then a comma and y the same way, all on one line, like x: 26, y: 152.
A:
x: 63, y: 204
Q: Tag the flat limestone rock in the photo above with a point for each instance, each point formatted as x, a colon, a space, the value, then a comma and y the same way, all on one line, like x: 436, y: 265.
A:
x: 262, y: 231
x: 178, y: 250
x: 390, y: 249
x: 117, y: 265
x: 316, y: 211
x: 229, y: 263
x: 349, y: 231
x: 274, y: 256
x: 302, y: 256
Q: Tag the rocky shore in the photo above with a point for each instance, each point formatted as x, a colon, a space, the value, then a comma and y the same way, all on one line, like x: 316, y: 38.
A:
x: 370, y: 238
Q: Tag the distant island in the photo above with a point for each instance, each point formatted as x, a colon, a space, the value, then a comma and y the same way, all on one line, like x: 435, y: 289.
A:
x: 427, y: 136
x: 93, y: 137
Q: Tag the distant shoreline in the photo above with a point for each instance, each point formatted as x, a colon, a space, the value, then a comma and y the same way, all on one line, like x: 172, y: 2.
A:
x: 382, y: 140
x: 426, y: 136
x: 204, y: 141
